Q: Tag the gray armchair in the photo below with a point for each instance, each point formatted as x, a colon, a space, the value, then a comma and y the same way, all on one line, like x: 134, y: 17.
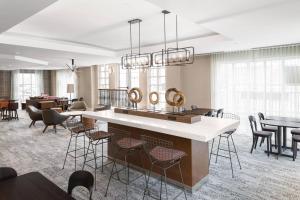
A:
x: 78, y: 106
x: 34, y: 114
x: 53, y: 118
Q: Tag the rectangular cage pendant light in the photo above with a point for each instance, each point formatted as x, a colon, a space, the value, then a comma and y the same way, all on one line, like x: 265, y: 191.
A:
x: 172, y: 56
x: 139, y: 60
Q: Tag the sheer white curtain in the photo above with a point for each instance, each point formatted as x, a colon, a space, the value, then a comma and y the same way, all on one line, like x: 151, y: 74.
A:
x: 15, y: 84
x: 64, y: 77
x: 265, y: 80
x: 26, y: 83
x: 39, y: 81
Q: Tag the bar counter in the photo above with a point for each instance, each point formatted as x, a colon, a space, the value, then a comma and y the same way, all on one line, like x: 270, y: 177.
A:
x: 191, y: 138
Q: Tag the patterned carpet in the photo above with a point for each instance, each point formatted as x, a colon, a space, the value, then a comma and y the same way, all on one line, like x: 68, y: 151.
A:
x: 262, y: 178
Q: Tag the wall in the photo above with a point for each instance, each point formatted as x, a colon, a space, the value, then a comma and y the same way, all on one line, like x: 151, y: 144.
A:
x: 193, y: 80
x: 196, y: 84
x: 84, y: 76
x: 5, y: 84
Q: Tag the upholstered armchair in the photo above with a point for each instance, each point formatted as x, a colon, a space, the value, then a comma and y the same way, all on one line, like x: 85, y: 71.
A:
x: 78, y: 106
x: 34, y: 114
x: 53, y: 118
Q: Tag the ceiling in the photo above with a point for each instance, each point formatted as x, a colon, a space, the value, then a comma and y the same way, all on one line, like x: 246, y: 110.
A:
x: 96, y: 32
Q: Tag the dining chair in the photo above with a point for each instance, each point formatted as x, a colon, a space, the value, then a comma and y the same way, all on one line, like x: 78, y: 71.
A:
x: 81, y: 178
x: 259, y: 134
x: 227, y: 135
x: 295, y: 139
x: 264, y: 127
x: 220, y: 113
x: 7, y: 173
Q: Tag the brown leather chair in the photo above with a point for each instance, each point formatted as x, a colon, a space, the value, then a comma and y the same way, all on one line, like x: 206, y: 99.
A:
x: 53, y: 118
x: 34, y: 114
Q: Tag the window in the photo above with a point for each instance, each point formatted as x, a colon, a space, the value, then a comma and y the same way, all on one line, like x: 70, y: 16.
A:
x: 103, y: 77
x: 123, y: 78
x: 27, y: 85
x: 157, y: 83
x: 257, y: 81
x: 134, y: 78
x: 63, y: 78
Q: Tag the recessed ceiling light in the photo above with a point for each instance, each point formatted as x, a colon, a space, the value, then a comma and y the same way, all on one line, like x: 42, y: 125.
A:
x: 31, y: 60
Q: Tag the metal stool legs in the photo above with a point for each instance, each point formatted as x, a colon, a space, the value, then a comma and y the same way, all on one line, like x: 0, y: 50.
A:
x: 163, y: 180
x: 227, y: 136
x: 126, y: 168
x: 69, y: 152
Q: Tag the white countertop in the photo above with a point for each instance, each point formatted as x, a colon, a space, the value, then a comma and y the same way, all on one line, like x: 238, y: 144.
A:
x: 204, y: 130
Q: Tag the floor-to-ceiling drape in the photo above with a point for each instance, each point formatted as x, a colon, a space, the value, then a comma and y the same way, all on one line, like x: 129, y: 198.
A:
x: 264, y: 80
x: 64, y: 77
x: 26, y: 83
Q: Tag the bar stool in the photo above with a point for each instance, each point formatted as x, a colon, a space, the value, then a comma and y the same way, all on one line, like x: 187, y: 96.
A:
x: 295, y: 139
x: 96, y: 138
x: 163, y: 156
x: 226, y: 135
x: 124, y: 145
x: 77, y: 130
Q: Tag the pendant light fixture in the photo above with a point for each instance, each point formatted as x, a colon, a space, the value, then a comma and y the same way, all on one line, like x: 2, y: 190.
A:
x: 172, y: 56
x: 136, y: 61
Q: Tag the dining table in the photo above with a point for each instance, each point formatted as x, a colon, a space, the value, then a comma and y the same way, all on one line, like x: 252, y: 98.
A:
x: 282, y: 123
x: 33, y: 186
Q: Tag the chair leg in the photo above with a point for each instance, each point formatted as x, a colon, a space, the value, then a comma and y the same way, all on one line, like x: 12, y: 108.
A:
x: 268, y: 146
x: 165, y: 181
x: 31, y: 124
x: 296, y: 149
x: 253, y: 144
x: 293, y: 148
x: 181, y: 177
x: 256, y: 142
x: 45, y: 128
x: 111, y: 174
x: 211, y: 149
x: 67, y: 152
x: 75, y: 159
x: 229, y: 151
x: 95, y: 158
x: 276, y: 143
x: 85, y: 155
x: 261, y: 141
x: 236, y: 152
x: 218, y: 149
x: 147, y: 182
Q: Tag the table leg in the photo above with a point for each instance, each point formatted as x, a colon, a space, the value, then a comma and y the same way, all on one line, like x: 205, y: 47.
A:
x: 284, y: 137
x: 279, y: 140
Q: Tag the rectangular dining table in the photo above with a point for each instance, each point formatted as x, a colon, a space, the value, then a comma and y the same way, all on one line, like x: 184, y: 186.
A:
x: 282, y: 124
x: 33, y: 186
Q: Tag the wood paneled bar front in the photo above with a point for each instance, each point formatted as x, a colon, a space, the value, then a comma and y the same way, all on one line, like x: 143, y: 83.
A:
x: 190, y: 138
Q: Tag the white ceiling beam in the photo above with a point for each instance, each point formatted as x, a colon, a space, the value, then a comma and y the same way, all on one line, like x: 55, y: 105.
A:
x: 36, y: 42
x: 13, y: 12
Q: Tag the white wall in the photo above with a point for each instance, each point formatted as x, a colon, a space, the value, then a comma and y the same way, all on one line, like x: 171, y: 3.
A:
x: 193, y: 80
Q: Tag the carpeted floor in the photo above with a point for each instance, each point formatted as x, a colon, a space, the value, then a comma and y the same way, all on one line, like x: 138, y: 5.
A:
x: 262, y: 178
